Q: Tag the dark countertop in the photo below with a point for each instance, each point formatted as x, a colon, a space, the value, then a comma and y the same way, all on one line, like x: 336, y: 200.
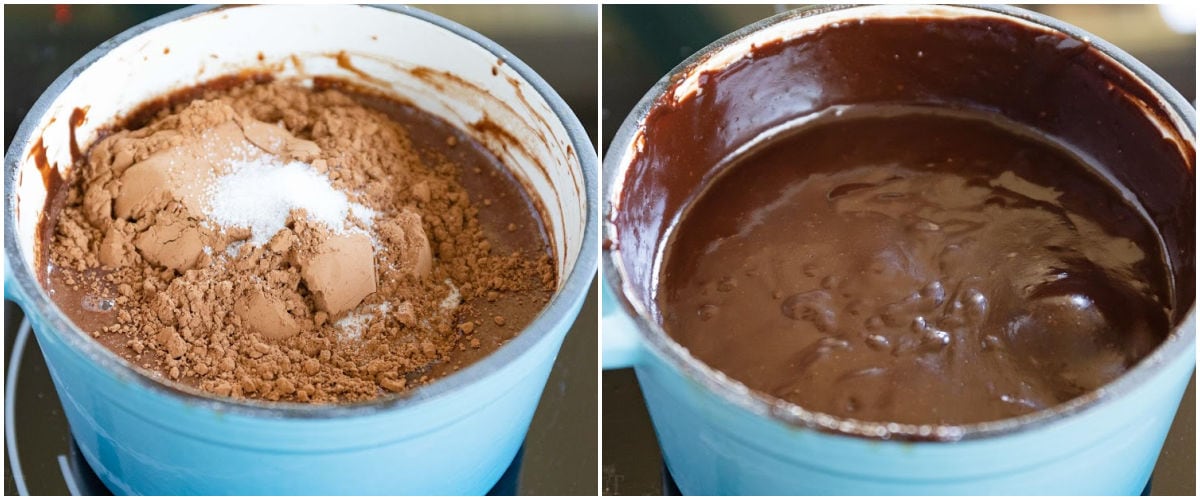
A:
x: 642, y: 43
x: 557, y: 41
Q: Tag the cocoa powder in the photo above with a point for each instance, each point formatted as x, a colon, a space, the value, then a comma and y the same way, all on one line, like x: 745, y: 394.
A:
x: 317, y: 313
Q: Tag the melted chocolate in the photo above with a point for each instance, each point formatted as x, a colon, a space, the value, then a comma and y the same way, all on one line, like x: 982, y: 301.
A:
x: 914, y: 267
x: 872, y: 202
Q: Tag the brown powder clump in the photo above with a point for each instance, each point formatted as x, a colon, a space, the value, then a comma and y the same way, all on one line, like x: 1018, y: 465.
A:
x: 315, y: 314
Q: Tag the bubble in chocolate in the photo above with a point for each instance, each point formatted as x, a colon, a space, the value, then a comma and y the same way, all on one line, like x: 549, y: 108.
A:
x: 924, y: 225
x: 976, y: 304
x: 97, y: 304
x: 878, y: 342
x: 990, y: 343
x: 936, y: 338
x: 919, y: 325
x: 932, y: 337
x: 833, y: 343
x: 934, y: 292
x: 814, y: 307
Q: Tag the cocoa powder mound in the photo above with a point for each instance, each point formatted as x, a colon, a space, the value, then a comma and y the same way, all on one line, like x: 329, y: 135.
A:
x: 317, y: 313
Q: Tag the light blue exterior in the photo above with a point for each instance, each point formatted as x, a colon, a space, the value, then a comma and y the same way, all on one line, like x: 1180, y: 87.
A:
x: 151, y: 442
x: 456, y: 435
x: 713, y: 446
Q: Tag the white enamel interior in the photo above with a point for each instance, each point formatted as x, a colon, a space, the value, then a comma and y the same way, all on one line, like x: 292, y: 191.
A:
x: 384, y: 44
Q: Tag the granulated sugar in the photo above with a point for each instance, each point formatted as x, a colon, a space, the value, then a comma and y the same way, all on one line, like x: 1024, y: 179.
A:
x: 353, y: 325
x: 453, y: 298
x: 261, y: 192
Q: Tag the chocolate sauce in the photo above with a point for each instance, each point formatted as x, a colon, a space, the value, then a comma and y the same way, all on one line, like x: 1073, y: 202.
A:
x: 914, y: 266
x: 964, y: 187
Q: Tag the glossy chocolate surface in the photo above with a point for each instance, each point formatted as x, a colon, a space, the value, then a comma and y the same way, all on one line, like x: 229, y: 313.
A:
x: 1024, y: 77
x: 902, y: 265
